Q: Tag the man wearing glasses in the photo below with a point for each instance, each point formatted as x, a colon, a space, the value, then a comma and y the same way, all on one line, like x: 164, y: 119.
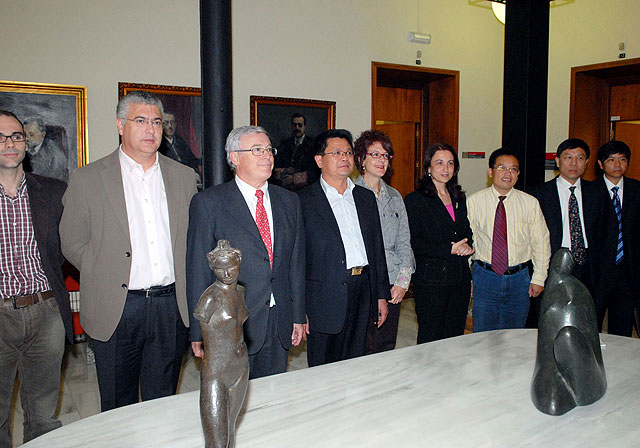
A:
x: 510, y: 235
x: 264, y: 221
x: 346, y: 268
x: 35, y: 314
x: 124, y: 227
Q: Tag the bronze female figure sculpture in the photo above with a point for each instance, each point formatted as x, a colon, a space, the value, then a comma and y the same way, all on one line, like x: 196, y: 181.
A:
x: 225, y: 367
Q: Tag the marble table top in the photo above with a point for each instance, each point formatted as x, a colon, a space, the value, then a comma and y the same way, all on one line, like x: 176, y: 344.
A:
x: 471, y: 390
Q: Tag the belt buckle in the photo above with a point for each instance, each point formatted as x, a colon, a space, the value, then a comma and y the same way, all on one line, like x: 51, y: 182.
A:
x: 356, y: 271
x: 146, y: 293
x: 15, y: 306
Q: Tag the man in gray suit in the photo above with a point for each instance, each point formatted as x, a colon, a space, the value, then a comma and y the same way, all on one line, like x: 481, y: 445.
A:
x: 265, y: 222
x: 124, y: 227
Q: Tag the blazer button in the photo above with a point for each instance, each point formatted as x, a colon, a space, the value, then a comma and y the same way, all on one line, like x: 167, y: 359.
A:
x: 266, y: 259
x: 127, y: 254
x: 273, y: 280
x: 341, y: 261
x: 268, y: 302
x: 344, y: 283
x: 124, y: 286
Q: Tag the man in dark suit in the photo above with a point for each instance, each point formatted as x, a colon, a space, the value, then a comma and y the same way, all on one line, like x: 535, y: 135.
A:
x: 618, y: 257
x: 265, y: 222
x: 175, y: 147
x: 124, y: 227
x: 346, y: 268
x: 32, y: 326
x: 572, y: 209
x: 295, y: 167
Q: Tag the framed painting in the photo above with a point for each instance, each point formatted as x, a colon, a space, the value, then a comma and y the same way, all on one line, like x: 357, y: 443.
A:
x: 182, y: 122
x: 292, y: 124
x: 55, y: 124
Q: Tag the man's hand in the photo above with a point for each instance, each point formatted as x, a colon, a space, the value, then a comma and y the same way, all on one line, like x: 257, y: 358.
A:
x: 297, y: 334
x: 397, y: 294
x: 383, y: 311
x: 535, y: 290
x: 198, y: 349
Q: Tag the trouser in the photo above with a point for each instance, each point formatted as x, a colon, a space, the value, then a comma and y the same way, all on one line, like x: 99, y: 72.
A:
x: 31, y: 345
x: 272, y: 358
x: 144, y: 354
x: 441, y: 310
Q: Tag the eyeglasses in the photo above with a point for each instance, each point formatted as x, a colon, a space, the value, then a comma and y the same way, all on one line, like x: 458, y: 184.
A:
x: 141, y: 122
x: 339, y: 153
x: 259, y: 150
x: 377, y: 155
x: 511, y: 169
x: 16, y: 137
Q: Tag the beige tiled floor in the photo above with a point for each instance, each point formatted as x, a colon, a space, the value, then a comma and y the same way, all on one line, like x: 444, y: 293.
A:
x: 80, y: 398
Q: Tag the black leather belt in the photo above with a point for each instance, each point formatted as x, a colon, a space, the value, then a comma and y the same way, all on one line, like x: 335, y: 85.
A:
x: 510, y: 271
x: 29, y: 299
x: 154, y: 291
x: 358, y: 270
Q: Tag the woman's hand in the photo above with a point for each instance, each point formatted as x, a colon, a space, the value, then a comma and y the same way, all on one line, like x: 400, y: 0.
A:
x: 461, y: 248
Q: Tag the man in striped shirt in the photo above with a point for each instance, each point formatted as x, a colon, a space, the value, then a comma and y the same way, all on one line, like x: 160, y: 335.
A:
x: 510, y: 235
x: 35, y: 313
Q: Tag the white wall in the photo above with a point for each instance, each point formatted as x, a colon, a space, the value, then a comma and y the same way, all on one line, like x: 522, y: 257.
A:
x: 305, y: 49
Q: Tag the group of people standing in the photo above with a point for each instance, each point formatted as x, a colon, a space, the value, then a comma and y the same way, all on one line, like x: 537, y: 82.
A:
x: 329, y: 263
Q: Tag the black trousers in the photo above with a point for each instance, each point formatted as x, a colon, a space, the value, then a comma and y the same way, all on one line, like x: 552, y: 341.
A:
x: 441, y: 310
x: 144, y: 355
x: 272, y: 358
x: 323, y: 348
x: 384, y: 338
x: 617, y: 295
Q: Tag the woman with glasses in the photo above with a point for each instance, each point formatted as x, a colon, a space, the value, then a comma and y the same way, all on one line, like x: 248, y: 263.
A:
x: 441, y: 239
x: 373, y: 153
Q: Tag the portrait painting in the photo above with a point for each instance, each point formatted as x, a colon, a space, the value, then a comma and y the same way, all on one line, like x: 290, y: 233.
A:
x: 55, y: 124
x: 181, y: 124
x: 293, y: 124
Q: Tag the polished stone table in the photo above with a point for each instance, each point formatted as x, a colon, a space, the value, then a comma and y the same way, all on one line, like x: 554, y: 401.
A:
x: 471, y: 390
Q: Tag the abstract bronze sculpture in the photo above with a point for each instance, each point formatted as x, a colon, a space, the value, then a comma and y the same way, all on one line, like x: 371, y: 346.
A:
x: 569, y: 370
x: 225, y: 367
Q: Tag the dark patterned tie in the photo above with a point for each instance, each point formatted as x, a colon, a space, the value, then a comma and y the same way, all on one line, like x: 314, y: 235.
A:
x: 499, y: 248
x: 262, y: 221
x: 618, y: 209
x: 575, y: 228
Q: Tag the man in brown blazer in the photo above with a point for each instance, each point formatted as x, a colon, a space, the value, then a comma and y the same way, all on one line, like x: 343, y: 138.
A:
x: 124, y: 226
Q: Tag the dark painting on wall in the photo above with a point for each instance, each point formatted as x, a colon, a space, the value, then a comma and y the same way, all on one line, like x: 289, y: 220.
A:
x: 55, y: 122
x: 292, y: 124
x: 182, y: 122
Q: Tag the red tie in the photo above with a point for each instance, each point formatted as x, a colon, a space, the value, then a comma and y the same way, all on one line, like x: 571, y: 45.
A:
x: 262, y: 221
x: 499, y: 249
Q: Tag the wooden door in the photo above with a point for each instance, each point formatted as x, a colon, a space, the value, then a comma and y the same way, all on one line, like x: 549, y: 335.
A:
x: 405, y: 167
x: 629, y: 132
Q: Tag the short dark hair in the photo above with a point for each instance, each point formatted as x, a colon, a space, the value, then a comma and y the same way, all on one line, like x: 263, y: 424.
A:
x: 323, y: 137
x: 499, y: 153
x: 573, y: 143
x: 368, y: 139
x: 426, y: 185
x: 614, y: 147
x: 8, y: 113
x: 299, y: 115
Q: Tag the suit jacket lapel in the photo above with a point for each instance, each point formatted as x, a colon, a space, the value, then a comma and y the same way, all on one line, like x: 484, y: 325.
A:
x: 170, y: 180
x: 112, y: 179
x: 237, y: 207
x: 322, y: 207
x: 279, y: 212
x: 554, y: 204
x: 39, y: 210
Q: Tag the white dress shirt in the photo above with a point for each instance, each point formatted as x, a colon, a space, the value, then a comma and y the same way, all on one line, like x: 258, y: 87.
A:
x: 148, y: 218
x: 564, y: 193
x: 346, y: 214
x: 249, y: 194
x: 610, y: 185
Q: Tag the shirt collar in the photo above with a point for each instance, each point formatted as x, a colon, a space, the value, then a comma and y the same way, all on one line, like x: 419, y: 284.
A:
x: 563, y: 183
x: 248, y: 190
x: 22, y: 188
x: 610, y: 184
x: 497, y: 194
x: 328, y: 189
x: 130, y: 165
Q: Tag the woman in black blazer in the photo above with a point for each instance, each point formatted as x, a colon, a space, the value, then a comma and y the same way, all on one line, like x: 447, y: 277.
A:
x: 441, y: 239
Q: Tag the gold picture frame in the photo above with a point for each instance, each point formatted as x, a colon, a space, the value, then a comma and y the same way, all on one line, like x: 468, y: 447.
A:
x: 61, y: 108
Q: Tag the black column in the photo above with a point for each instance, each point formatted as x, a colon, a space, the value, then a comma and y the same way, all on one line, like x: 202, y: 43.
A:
x: 526, y: 62
x: 217, y: 83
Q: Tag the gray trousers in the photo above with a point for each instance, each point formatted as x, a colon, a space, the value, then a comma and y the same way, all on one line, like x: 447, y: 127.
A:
x: 31, y: 346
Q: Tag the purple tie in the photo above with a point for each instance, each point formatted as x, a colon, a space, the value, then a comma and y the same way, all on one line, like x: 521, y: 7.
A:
x: 499, y: 249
